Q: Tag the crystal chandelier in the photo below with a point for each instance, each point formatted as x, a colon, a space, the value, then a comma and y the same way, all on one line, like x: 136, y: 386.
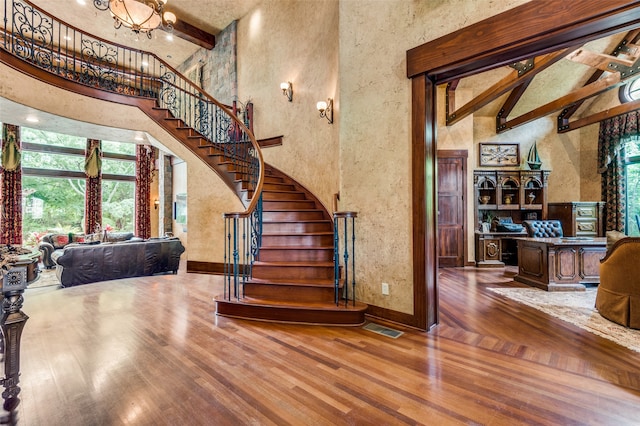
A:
x: 141, y: 16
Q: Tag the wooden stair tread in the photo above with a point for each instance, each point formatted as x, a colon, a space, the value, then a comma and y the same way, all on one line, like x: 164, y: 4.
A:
x: 328, y: 306
x: 296, y: 234
x: 298, y: 221
x: 296, y: 248
x: 286, y: 263
x: 306, y: 282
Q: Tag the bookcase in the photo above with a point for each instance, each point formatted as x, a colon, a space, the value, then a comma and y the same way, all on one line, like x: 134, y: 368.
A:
x: 508, y: 195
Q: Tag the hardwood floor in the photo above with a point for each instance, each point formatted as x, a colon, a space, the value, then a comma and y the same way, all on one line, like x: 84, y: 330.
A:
x: 150, y: 351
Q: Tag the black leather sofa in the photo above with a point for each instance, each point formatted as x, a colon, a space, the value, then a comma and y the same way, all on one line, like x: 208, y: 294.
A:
x: 57, y: 241
x: 87, y: 263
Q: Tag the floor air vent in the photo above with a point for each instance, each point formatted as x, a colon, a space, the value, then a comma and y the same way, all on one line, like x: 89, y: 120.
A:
x: 380, y: 329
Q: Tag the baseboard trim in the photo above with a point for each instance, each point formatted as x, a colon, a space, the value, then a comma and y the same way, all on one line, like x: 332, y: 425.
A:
x: 205, y: 267
x: 393, y: 316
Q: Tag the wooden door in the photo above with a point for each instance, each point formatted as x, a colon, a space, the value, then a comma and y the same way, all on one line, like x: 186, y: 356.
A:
x: 452, y: 211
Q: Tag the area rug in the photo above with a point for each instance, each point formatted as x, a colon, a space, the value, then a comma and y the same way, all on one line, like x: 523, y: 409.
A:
x: 47, y: 278
x: 577, y: 308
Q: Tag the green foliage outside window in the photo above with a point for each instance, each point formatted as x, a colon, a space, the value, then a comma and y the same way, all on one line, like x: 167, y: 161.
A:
x: 56, y: 204
x: 632, y: 174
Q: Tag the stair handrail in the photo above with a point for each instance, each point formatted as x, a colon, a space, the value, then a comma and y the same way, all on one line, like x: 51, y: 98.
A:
x: 64, y: 50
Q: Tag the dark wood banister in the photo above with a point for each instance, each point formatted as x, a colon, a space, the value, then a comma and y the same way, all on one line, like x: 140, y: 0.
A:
x: 258, y: 189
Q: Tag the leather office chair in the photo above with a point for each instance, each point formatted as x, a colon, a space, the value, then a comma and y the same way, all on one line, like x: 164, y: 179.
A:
x: 543, y: 228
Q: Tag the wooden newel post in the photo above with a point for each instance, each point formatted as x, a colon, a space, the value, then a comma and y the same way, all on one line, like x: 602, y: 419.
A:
x: 12, y: 322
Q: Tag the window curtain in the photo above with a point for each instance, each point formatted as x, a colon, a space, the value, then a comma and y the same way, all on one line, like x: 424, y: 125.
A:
x: 93, y: 195
x: 11, y: 225
x: 614, y: 132
x: 145, y: 156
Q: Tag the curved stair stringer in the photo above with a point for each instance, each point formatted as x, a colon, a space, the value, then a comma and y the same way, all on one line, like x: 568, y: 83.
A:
x: 293, y: 275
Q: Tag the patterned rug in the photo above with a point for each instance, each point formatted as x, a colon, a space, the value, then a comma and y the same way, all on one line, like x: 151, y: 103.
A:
x: 47, y: 278
x: 577, y: 308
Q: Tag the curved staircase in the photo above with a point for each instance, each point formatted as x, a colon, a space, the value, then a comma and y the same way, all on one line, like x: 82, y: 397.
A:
x: 292, y: 274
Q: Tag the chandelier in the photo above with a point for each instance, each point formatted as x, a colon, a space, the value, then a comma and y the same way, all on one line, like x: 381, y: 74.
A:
x: 141, y: 16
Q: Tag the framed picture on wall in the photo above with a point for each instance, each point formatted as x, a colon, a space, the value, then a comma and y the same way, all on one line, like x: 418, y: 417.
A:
x: 499, y: 154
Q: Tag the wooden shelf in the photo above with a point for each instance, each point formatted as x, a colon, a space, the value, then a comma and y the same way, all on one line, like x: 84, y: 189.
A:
x: 528, y: 192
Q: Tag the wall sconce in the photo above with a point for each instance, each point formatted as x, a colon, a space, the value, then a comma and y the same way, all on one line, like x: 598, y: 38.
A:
x: 156, y: 203
x: 287, y: 89
x: 326, y: 109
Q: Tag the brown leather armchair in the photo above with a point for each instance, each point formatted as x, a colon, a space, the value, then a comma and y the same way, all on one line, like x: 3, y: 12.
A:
x: 618, y: 297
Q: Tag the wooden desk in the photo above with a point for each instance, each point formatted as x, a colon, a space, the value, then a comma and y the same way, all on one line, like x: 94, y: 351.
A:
x: 560, y: 264
x: 494, y: 248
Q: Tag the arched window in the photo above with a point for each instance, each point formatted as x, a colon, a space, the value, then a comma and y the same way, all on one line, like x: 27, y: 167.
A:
x: 630, y: 91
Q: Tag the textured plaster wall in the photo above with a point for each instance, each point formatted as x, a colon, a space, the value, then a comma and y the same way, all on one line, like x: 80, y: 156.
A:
x: 374, y: 133
x: 297, y: 41
x: 208, y: 196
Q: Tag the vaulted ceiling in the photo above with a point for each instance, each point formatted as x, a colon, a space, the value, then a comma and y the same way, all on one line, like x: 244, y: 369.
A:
x: 577, y: 85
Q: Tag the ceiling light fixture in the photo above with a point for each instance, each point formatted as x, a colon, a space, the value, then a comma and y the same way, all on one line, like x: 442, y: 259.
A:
x: 140, y: 16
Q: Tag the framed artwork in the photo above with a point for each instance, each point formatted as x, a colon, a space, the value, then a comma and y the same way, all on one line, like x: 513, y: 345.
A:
x: 499, y: 154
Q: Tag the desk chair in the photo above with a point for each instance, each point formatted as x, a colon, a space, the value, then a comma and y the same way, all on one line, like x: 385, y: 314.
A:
x: 543, y: 228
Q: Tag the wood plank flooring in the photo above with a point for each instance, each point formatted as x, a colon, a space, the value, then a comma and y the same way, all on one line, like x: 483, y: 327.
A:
x: 150, y: 351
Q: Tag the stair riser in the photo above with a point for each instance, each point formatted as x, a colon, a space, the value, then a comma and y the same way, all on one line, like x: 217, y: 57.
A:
x: 297, y: 255
x: 297, y: 240
x: 275, y: 216
x: 296, y: 315
x: 278, y: 186
x: 286, y: 205
x: 280, y: 196
x: 293, y: 227
x: 266, y: 272
x: 281, y: 293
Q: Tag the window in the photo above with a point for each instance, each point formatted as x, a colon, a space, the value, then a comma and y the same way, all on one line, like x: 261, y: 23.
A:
x: 632, y: 184
x: 53, y: 184
x: 118, y: 186
x: 630, y: 91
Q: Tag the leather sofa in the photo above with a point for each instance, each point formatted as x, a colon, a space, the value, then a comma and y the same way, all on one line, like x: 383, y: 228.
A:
x: 618, y: 296
x: 57, y: 241
x: 87, y: 263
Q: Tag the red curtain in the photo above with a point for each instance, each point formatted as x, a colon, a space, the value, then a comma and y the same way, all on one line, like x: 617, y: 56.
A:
x: 145, y: 156
x: 93, y: 194
x: 11, y: 224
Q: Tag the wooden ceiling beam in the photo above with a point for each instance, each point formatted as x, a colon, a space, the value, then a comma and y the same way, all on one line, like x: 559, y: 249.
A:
x: 595, y: 118
x: 506, y: 84
x: 631, y: 37
x: 597, y: 60
x: 600, y: 86
x: 510, y: 103
x: 195, y: 35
